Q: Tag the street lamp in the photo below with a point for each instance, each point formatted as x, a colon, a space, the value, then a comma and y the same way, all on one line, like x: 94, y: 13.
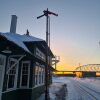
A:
x: 47, y: 13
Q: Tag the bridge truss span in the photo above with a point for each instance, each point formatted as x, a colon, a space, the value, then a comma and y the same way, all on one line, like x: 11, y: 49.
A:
x: 89, y: 68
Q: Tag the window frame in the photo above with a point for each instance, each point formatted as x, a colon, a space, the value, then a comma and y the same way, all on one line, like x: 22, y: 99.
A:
x: 27, y: 86
x: 15, y: 75
x: 39, y: 75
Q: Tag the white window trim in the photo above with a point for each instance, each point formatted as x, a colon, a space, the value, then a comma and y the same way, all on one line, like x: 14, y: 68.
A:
x: 28, y: 74
x: 38, y: 85
x: 16, y: 75
x: 40, y: 78
x: 17, y: 61
x: 36, y: 73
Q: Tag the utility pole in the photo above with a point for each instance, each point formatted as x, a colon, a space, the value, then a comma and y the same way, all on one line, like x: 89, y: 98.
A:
x: 47, y: 13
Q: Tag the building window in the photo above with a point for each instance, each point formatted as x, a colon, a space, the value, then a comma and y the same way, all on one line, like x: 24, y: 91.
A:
x: 25, y: 74
x: 11, y: 73
x: 39, y: 75
x: 36, y: 75
x: 43, y: 75
x: 2, y: 60
x: 11, y: 77
x: 2, y: 69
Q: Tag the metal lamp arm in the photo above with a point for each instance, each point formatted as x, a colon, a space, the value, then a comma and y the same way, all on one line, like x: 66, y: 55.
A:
x: 40, y: 16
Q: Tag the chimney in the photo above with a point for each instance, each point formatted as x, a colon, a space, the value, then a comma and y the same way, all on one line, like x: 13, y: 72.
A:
x: 13, y: 24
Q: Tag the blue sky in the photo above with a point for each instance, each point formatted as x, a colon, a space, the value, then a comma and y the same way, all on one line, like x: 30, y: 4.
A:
x: 75, y: 33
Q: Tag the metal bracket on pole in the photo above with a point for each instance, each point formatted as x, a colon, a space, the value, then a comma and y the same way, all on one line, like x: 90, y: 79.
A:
x: 55, y: 61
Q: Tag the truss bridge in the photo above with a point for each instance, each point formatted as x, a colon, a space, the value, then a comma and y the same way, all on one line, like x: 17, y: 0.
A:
x: 89, y: 70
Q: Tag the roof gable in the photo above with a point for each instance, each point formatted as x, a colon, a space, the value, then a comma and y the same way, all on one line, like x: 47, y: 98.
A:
x: 20, y: 39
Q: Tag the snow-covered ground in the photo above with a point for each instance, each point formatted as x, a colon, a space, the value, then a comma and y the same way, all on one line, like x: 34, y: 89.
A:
x: 71, y: 91
x: 77, y: 88
x: 56, y: 90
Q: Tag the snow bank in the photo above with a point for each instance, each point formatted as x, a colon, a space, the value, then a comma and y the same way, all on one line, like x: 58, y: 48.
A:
x: 57, y: 91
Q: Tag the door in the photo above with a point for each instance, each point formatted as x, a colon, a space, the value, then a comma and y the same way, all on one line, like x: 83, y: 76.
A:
x: 2, y: 69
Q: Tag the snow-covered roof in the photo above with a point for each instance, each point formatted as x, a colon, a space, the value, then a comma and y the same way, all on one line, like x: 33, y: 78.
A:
x: 20, y: 39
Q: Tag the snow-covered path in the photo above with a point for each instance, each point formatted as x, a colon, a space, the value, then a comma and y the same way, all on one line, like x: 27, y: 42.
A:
x: 81, y: 88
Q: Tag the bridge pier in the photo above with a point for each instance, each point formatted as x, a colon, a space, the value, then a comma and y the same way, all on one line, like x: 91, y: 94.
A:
x: 88, y: 74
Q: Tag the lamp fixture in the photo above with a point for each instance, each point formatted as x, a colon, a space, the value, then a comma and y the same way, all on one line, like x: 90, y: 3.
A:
x: 7, y: 50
